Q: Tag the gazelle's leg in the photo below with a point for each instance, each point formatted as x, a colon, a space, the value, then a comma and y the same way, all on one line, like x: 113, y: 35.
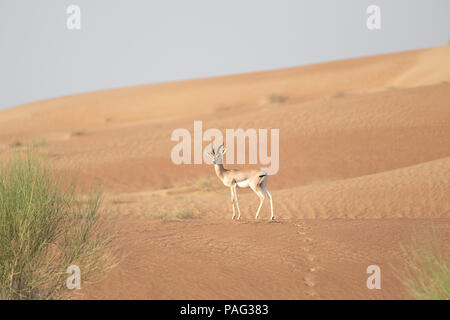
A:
x: 261, y: 201
x: 232, y: 203
x: 263, y: 187
x: 237, y: 201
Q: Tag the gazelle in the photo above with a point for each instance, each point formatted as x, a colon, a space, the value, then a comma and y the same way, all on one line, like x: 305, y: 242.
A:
x: 254, y: 179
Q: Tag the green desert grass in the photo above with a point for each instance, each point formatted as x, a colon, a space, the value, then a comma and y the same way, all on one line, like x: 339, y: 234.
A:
x: 426, y: 273
x: 45, y: 226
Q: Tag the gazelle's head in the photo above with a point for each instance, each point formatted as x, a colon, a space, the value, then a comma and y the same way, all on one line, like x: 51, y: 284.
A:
x: 217, y: 155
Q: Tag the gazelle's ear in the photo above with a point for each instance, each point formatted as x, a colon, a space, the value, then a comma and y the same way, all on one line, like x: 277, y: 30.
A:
x: 209, y: 154
x: 223, y: 151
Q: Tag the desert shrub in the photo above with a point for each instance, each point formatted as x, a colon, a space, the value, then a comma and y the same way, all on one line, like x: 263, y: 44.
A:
x: 339, y: 94
x: 45, y: 226
x: 275, y: 99
x: 78, y: 133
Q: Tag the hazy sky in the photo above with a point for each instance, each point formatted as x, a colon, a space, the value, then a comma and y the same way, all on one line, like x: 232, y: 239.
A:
x: 130, y: 42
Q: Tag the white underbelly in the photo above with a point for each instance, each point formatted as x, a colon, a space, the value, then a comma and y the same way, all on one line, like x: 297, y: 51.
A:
x: 243, y: 184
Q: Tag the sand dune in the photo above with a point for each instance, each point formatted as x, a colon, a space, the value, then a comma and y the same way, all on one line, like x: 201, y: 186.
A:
x: 420, y: 191
x: 170, y: 101
x: 363, y: 142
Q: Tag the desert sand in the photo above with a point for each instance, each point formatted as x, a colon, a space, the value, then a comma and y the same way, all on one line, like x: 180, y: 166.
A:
x: 364, y: 169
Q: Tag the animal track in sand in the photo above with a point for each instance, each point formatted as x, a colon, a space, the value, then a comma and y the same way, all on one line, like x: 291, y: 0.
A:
x: 309, y: 278
x: 311, y: 292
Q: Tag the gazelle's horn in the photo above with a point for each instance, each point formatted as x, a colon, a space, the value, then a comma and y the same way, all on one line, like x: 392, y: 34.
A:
x: 218, y: 149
